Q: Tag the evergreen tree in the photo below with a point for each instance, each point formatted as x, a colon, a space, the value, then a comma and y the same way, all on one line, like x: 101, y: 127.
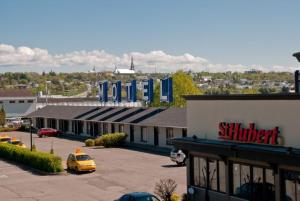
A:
x: 2, y: 116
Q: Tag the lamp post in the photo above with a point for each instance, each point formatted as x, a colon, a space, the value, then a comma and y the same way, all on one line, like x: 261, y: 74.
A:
x: 31, y: 125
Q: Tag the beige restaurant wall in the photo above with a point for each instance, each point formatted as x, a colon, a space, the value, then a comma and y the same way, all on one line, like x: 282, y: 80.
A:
x: 204, y: 116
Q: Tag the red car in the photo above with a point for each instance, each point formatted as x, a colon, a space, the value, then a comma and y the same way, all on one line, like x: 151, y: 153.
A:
x: 50, y: 132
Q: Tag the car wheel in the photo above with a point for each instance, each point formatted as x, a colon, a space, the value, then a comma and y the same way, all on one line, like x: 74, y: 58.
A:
x: 76, y: 170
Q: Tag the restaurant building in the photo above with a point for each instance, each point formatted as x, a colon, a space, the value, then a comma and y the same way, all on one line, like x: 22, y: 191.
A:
x: 243, y: 147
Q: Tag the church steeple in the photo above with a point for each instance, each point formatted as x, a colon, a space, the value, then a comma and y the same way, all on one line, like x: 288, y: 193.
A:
x: 132, y: 65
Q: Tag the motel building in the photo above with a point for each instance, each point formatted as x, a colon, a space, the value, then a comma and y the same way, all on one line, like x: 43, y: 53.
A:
x: 242, y: 147
x: 145, y: 127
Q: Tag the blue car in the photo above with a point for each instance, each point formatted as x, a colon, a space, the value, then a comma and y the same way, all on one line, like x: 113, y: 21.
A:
x: 138, y: 196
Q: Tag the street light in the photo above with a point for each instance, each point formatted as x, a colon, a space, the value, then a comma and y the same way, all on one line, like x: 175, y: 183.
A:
x: 47, y: 82
x: 297, y: 74
x: 31, y: 125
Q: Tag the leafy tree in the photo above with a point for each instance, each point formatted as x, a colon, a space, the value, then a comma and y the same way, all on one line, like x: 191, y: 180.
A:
x: 182, y: 85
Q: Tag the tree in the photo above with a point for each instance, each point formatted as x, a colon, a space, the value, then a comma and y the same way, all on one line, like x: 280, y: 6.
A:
x: 183, y: 84
x: 165, y: 189
x: 2, y: 116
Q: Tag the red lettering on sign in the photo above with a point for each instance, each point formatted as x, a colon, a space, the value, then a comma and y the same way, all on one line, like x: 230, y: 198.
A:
x: 234, y: 131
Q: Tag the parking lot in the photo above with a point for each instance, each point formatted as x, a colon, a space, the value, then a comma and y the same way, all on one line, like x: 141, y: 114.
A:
x: 118, y: 171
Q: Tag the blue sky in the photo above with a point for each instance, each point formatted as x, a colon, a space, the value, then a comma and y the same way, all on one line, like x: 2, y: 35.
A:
x: 198, y: 34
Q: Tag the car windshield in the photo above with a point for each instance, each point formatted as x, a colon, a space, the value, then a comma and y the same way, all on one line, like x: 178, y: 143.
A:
x: 174, y: 149
x: 16, y: 142
x: 148, y: 198
x: 83, y: 157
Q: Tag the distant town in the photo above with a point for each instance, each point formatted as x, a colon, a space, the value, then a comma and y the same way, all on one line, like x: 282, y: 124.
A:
x: 83, y: 84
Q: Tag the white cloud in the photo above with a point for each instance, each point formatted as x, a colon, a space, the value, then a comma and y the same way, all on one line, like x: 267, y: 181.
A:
x: 19, y: 57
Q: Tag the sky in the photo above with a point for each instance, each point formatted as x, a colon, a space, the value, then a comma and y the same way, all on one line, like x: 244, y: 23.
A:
x: 161, y: 35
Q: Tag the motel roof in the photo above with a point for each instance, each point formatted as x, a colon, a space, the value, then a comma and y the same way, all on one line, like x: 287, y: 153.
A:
x: 151, y: 116
x: 60, y: 112
x: 172, y: 117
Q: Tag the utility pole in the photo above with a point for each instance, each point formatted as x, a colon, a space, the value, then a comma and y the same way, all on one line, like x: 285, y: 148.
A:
x: 31, y: 134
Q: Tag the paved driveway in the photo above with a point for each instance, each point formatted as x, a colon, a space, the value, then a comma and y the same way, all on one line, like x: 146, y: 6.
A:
x: 118, y: 171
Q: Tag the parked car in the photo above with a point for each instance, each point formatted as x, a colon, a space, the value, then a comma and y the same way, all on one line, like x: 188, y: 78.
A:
x: 178, y: 156
x: 138, y: 196
x: 17, y: 142
x: 50, y: 132
x: 4, y: 138
x: 80, y: 162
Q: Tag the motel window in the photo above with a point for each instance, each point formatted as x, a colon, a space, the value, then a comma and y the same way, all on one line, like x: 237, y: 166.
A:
x: 252, y: 182
x: 208, y: 173
x: 21, y: 101
x: 30, y: 101
x: 105, y: 128
x: 121, y: 128
x: 169, y: 135
x: 144, y: 135
x: 12, y: 101
x: 113, y: 128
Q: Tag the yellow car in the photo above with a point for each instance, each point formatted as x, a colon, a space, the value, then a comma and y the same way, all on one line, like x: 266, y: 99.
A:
x: 17, y: 142
x: 80, y: 162
x: 4, y: 138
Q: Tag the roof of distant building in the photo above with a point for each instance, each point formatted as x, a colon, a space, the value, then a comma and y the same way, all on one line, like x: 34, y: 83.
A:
x: 124, y: 71
x: 16, y: 93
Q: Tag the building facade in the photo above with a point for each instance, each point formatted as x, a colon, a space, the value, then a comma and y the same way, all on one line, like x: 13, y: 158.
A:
x: 243, y: 147
x: 17, y: 102
x: 148, y: 127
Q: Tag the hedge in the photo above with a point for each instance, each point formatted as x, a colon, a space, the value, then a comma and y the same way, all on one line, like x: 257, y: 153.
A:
x: 110, y: 140
x: 8, y: 129
x: 89, y: 142
x: 35, y: 159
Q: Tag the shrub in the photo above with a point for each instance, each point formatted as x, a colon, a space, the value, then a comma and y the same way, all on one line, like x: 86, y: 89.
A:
x: 98, y: 141
x: 175, y: 197
x: 8, y: 129
x: 165, y: 189
x: 89, y: 142
x: 39, y: 160
x: 113, y: 139
x: 34, y: 147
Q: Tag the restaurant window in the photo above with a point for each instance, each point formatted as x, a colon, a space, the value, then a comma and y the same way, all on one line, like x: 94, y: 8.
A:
x: 292, y: 186
x: 11, y: 101
x: 30, y: 101
x: 184, y: 132
x: 21, y: 101
x: 144, y: 135
x: 169, y: 135
x: 208, y: 173
x: 253, y: 183
x: 1, y: 102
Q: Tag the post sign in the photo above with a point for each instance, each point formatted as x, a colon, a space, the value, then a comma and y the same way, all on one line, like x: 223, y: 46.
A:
x: 103, y: 91
x: 235, y: 132
x: 148, y: 90
x: 116, y: 91
x: 166, y: 90
x: 297, y: 82
x: 131, y: 91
